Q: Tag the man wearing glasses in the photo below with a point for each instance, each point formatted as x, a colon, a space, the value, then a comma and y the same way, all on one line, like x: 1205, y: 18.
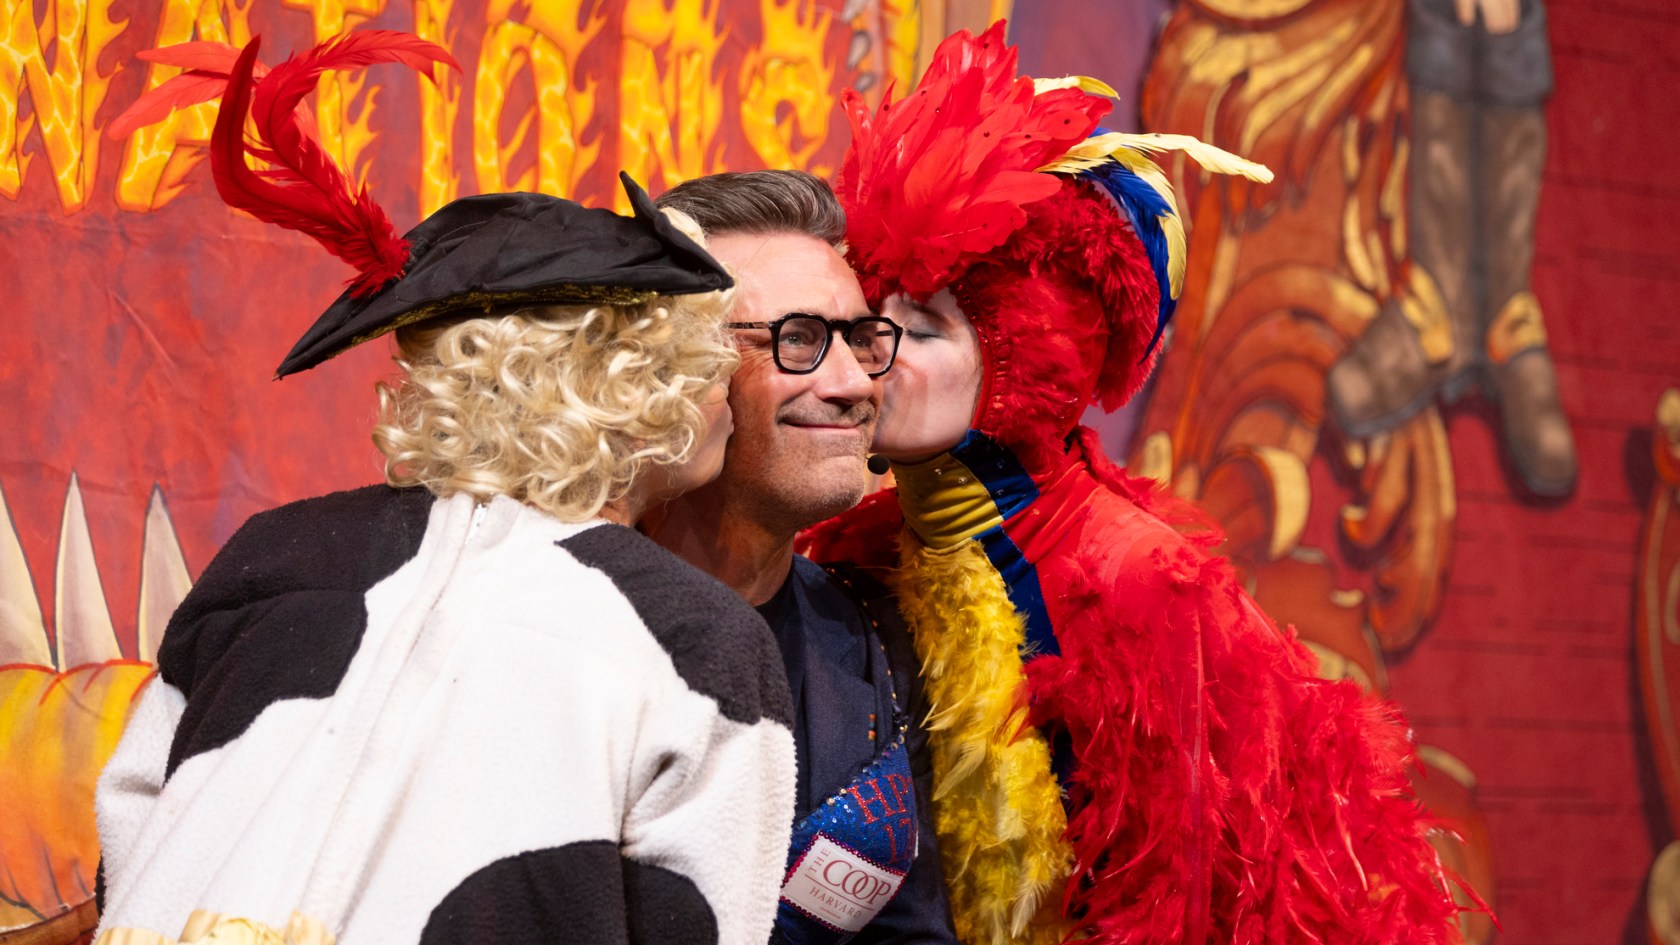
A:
x: 863, y: 867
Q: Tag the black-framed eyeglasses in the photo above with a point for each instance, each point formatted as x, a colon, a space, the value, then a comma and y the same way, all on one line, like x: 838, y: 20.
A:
x: 799, y: 340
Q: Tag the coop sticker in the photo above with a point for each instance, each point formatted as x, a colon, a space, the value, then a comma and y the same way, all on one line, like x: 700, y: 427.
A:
x: 836, y: 886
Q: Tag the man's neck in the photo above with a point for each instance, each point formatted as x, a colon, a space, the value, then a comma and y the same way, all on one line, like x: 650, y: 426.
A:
x: 706, y: 530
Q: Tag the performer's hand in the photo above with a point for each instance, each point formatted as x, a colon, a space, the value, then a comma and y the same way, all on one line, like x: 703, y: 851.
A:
x: 1499, y: 16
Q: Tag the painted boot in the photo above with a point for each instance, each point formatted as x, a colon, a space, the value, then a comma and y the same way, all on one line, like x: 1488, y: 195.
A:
x: 1520, y: 375
x: 1423, y: 344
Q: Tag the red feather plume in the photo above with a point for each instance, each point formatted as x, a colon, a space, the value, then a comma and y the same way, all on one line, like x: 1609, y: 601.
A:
x: 940, y: 177
x: 206, y: 68
x: 203, y: 55
x: 303, y: 188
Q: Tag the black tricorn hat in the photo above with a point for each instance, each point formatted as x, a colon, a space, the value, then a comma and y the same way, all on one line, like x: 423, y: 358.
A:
x: 497, y: 251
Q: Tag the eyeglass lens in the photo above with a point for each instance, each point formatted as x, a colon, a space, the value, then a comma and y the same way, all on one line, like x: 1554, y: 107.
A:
x: 804, y: 339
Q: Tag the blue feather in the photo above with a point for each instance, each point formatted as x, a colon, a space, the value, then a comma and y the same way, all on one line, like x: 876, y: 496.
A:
x: 1143, y: 207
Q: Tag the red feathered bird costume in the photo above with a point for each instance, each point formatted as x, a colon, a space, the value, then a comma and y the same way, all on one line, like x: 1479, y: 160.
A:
x: 1126, y: 749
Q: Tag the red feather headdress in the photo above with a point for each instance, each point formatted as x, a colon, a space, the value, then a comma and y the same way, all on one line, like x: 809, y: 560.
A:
x: 302, y: 188
x: 944, y: 174
x: 1064, y: 249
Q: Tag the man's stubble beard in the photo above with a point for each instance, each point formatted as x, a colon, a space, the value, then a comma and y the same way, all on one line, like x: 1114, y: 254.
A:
x: 791, y: 479
x: 789, y: 493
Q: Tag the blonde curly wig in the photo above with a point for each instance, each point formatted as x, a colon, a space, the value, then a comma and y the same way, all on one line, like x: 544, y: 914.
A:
x: 559, y: 407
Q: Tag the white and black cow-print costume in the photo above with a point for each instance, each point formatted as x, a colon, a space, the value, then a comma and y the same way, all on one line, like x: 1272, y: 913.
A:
x: 421, y: 720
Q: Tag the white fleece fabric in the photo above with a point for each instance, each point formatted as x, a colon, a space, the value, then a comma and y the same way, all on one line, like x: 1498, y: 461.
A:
x: 508, y: 719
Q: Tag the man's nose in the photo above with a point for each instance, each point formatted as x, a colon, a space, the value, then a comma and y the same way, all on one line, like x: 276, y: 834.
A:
x: 840, y: 377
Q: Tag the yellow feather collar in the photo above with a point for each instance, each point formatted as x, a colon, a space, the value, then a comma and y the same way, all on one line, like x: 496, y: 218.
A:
x: 997, y: 807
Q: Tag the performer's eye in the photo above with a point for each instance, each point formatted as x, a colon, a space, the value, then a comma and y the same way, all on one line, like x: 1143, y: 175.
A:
x: 923, y: 323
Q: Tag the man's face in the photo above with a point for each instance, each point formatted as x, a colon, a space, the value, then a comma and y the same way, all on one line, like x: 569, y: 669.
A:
x: 801, y: 440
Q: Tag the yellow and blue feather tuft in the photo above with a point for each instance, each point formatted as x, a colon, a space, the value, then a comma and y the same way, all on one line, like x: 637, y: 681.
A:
x: 1119, y: 163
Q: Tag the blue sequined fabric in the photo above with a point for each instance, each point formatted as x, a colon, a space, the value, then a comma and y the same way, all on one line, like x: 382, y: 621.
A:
x: 849, y: 856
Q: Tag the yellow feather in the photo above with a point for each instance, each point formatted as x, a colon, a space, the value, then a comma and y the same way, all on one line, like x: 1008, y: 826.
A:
x: 1178, y: 252
x: 1148, y: 170
x: 1083, y: 83
x: 997, y: 806
x: 1217, y: 160
x: 1082, y: 156
x: 1130, y: 151
x: 1122, y: 147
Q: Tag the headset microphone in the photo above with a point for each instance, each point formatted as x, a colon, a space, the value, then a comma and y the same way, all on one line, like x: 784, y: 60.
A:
x: 879, y: 465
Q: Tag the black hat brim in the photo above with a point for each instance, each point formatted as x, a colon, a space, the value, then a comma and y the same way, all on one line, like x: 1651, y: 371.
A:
x: 500, y: 251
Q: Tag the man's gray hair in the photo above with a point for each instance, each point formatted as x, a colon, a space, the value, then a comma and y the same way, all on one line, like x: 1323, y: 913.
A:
x: 761, y: 202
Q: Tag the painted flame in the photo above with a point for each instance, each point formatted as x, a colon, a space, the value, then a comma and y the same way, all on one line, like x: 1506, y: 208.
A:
x: 66, y: 97
x: 789, y: 67
x: 341, y: 112
x: 440, y: 103
x: 549, y: 43
x: 903, y: 38
x: 669, y: 119
x: 157, y: 158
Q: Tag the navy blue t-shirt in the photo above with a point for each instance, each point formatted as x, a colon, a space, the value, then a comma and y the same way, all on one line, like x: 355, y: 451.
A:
x: 842, y: 718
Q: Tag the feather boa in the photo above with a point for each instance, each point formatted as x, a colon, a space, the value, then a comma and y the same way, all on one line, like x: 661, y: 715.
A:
x: 997, y: 808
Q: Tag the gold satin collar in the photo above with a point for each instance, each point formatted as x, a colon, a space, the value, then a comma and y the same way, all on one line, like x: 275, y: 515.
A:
x: 943, y: 501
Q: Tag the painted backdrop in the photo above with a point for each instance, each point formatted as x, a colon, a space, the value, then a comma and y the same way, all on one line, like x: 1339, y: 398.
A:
x: 1529, y: 624
x: 1417, y: 379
